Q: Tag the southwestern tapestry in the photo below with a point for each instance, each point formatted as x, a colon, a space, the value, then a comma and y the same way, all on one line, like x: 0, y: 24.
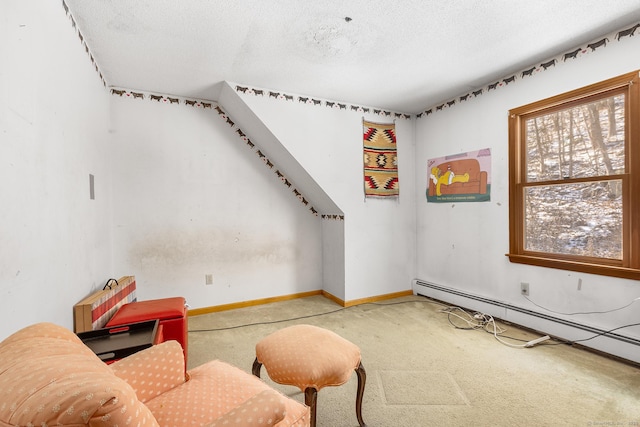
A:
x: 380, y: 160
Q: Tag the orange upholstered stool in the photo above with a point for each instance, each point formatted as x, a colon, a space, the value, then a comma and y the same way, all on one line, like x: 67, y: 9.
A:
x: 310, y: 358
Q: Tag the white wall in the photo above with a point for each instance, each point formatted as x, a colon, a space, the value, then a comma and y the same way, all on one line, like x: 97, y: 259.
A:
x: 463, y: 245
x: 333, y: 258
x: 192, y: 199
x: 379, y: 242
x: 54, y: 240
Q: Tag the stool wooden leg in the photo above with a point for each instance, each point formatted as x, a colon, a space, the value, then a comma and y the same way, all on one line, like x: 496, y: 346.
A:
x: 310, y: 399
x: 362, y: 379
x: 256, y: 368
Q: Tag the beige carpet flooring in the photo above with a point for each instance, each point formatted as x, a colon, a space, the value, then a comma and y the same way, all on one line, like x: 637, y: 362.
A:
x: 422, y: 371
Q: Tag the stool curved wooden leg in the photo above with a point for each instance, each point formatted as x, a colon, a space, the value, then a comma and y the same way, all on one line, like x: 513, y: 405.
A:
x: 362, y: 380
x: 256, y: 368
x: 311, y: 399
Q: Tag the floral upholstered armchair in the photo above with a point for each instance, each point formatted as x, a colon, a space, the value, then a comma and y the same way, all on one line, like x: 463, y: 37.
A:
x: 48, y: 377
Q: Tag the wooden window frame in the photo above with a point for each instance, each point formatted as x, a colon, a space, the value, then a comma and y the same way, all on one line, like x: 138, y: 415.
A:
x: 629, y: 266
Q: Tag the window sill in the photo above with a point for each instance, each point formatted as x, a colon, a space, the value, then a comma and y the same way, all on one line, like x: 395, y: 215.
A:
x: 584, y: 267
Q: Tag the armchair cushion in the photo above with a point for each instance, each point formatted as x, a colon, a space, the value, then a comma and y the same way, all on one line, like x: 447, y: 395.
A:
x: 264, y: 409
x: 154, y: 371
x: 215, y: 389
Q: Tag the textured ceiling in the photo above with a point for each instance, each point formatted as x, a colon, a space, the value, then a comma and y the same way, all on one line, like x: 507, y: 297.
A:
x: 401, y: 55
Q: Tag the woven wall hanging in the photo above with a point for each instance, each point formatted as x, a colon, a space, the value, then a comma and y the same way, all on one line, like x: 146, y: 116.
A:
x: 380, y: 160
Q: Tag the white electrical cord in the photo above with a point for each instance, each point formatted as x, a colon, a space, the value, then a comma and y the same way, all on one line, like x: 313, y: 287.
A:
x: 482, y: 321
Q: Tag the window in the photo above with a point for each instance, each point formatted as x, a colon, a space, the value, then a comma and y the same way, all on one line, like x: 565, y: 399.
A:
x: 574, y: 180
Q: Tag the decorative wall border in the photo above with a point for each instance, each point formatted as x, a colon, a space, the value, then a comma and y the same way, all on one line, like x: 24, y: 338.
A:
x: 163, y: 99
x: 205, y: 104
x: 536, y: 69
x: 84, y: 44
x: 317, y: 102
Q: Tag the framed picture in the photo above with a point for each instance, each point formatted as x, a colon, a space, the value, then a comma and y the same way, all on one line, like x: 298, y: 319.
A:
x: 464, y: 177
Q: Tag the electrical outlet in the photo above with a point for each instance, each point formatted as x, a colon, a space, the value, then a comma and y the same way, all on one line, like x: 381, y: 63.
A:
x: 208, y: 279
x: 524, y: 288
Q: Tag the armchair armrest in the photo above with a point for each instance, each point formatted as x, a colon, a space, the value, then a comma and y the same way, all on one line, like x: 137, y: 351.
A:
x: 152, y: 371
x: 265, y: 409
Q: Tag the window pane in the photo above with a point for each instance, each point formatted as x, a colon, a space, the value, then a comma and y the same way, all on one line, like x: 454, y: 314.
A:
x: 586, y: 140
x: 575, y: 219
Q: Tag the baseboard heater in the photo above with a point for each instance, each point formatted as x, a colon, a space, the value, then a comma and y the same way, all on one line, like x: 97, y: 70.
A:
x: 595, y: 331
